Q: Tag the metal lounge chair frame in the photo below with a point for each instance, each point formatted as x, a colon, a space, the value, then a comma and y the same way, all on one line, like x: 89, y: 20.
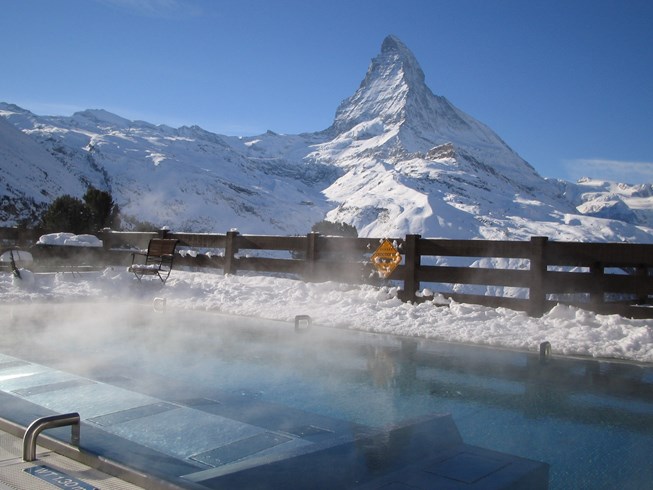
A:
x: 158, y: 259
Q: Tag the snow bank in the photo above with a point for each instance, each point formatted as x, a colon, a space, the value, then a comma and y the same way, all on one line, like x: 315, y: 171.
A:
x: 70, y: 240
x: 571, y: 331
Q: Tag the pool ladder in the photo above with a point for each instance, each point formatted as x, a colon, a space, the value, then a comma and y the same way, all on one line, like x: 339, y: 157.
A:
x: 39, y: 425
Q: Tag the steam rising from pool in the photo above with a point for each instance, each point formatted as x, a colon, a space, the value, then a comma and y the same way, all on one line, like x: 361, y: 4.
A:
x: 185, y: 354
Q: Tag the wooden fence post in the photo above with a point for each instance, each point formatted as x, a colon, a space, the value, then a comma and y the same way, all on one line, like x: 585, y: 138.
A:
x: 107, y: 241
x: 230, y: 250
x: 641, y: 275
x: 536, y: 293
x: 412, y: 261
x: 597, y: 296
x: 311, y: 255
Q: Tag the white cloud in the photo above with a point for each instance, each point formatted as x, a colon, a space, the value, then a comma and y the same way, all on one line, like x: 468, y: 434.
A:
x: 613, y: 170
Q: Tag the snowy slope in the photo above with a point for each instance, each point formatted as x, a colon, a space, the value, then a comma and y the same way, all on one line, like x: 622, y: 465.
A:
x: 186, y: 178
x: 396, y: 160
x: 30, y: 177
x: 625, y: 202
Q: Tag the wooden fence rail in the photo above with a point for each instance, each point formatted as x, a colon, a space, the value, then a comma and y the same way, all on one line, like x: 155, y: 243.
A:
x: 610, y: 278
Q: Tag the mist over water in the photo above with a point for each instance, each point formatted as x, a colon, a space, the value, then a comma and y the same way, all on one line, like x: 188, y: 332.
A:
x: 189, y: 354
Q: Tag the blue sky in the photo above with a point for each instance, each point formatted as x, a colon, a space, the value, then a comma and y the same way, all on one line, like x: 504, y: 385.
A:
x: 568, y: 84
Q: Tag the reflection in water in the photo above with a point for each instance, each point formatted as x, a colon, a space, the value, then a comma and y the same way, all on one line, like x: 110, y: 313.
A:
x: 381, y: 367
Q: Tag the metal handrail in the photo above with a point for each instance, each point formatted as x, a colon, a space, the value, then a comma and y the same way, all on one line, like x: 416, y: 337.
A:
x: 50, y: 422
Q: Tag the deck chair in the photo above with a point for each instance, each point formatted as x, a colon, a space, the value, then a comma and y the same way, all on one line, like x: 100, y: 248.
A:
x: 158, y: 259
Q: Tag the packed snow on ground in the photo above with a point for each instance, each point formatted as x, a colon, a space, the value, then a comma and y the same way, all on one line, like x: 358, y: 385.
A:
x: 571, y: 331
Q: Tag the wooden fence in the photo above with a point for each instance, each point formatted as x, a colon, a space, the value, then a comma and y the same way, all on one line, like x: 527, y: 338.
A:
x: 609, y: 278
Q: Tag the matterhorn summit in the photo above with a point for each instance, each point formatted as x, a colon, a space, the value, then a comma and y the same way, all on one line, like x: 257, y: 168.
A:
x: 397, y: 159
x: 391, y: 80
x: 414, y: 163
x: 394, y: 100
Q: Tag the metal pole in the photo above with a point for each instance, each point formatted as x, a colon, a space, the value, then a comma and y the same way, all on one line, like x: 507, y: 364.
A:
x: 39, y: 425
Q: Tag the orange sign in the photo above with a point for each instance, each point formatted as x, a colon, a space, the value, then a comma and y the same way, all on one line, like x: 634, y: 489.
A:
x: 385, y: 259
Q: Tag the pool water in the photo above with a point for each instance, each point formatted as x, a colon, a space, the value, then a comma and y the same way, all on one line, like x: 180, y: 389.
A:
x: 591, y: 421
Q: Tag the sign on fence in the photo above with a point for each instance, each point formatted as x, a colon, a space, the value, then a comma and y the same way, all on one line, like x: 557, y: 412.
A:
x: 385, y: 259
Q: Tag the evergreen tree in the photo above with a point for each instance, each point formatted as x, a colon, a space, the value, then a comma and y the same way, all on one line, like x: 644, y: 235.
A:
x: 72, y: 215
x: 326, y: 227
x: 101, y: 206
x: 67, y: 214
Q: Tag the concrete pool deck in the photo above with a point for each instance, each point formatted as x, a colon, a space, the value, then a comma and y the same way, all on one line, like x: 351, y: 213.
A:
x: 50, y: 468
x: 240, y: 441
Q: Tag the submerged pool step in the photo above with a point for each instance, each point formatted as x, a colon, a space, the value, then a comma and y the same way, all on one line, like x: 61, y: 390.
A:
x: 176, y: 430
x: 239, y: 441
x: 132, y: 414
x: 241, y: 449
x: 424, y: 455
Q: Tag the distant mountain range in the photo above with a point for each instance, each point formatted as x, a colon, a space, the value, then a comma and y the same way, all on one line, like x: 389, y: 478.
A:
x: 396, y: 160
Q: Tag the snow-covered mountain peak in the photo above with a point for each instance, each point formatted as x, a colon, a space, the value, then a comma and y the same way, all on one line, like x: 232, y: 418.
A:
x: 394, y: 51
x: 395, y: 115
x: 395, y: 93
x: 100, y: 117
x: 394, y: 99
x: 383, y: 92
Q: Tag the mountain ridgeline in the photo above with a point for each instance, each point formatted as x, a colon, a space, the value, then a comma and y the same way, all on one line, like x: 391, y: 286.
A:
x: 397, y: 159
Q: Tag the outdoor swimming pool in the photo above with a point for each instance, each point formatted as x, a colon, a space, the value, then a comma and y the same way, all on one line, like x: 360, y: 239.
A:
x: 169, y: 374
